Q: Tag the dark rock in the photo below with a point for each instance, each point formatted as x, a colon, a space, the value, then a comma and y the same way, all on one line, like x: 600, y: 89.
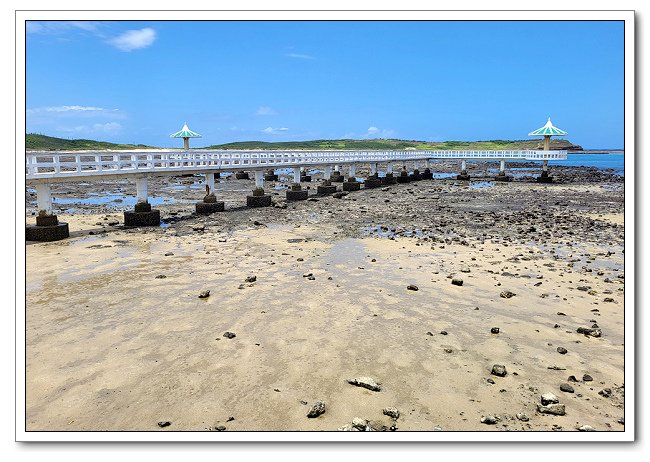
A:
x: 229, y: 335
x: 587, y: 378
x: 443, y: 332
x: 391, y: 412
x: 494, y: 330
x: 562, y: 350
x: 251, y: 279
x: 164, y: 424
x: 507, y: 294
x: 412, y: 287
x: 490, y: 420
x: 457, y: 281
x: 204, y: 294
x: 605, y: 392
x: 572, y: 378
x: 499, y: 370
x: 220, y: 428
x: 592, y: 332
x: 523, y: 417
x: 317, y: 409
x: 161, y: 276
x: 565, y: 387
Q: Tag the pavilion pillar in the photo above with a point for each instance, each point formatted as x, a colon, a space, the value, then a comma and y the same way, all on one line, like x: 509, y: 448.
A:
x: 143, y: 214
x: 544, y: 177
x: 547, y: 142
x: 186, y: 143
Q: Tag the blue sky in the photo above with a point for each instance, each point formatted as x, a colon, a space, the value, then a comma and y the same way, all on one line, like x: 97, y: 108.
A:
x: 138, y: 82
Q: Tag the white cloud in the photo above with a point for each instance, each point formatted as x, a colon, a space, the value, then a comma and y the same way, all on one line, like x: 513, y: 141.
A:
x: 374, y: 132
x: 274, y: 131
x: 134, y: 39
x: 299, y: 56
x: 55, y: 27
x: 76, y: 109
x: 265, y: 110
x: 109, y: 127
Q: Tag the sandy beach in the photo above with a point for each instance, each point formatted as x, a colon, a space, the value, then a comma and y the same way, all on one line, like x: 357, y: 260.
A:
x: 317, y: 293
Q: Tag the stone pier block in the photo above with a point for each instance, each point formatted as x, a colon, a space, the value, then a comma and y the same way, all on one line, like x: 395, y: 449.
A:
x: 427, y: 175
x: 47, y: 229
x: 351, y: 186
x: 545, y: 178
x: 502, y: 177
x: 337, y: 177
x: 142, y: 215
x: 323, y: 190
x: 206, y: 208
x: 372, y: 182
x: 305, y: 178
x: 389, y: 179
x: 258, y: 201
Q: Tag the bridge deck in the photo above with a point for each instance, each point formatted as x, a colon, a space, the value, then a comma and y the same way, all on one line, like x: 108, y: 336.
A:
x: 66, y: 165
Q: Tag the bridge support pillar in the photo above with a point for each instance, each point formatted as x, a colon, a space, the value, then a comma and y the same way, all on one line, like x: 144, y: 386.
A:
x: 416, y: 176
x: 296, y: 175
x: 373, y: 168
x: 389, y: 178
x: 209, y: 204
x: 502, y: 172
x: 403, y: 176
x: 143, y: 214
x: 463, y: 171
x: 544, y: 177
x: 304, y: 178
x: 296, y: 193
x: 353, y: 171
x: 258, y: 199
x: 47, y: 228
x: 336, y: 175
x: 328, y: 172
x: 326, y: 187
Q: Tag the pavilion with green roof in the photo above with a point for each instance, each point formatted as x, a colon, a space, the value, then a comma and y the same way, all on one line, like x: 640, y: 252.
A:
x: 547, y: 131
x: 186, y: 134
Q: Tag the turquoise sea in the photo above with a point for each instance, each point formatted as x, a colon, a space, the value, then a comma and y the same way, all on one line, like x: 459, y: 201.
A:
x: 615, y: 161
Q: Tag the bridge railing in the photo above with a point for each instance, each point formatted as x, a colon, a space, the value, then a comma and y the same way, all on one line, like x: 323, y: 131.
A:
x: 78, y: 164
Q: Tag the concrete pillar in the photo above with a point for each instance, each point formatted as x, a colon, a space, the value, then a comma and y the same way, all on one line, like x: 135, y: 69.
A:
x: 44, y: 198
x: 547, y: 142
x: 141, y: 187
x: 209, y: 181
x: 502, y: 166
x: 186, y: 143
x: 337, y: 168
x: 328, y: 172
x: 389, y: 167
x: 296, y: 174
x: 545, y: 165
x: 373, y: 168
x: 353, y: 170
x: 259, y: 179
x: 463, y: 165
x: 427, y: 163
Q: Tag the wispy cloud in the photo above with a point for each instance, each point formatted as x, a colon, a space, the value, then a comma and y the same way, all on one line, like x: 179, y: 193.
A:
x: 134, y: 39
x: 374, y: 132
x: 274, y: 131
x: 109, y: 127
x: 54, y: 27
x: 264, y: 111
x: 70, y: 109
x: 299, y: 56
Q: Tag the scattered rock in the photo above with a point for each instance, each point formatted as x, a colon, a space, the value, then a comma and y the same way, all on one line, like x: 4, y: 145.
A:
x: 565, y: 387
x: 204, y: 294
x: 593, y: 332
x: 391, y: 412
x: 494, y: 330
x: 490, y: 420
x: 229, y: 335
x: 220, y: 428
x: 587, y: 378
x: 549, y: 398
x: 555, y: 409
x: 499, y: 370
x: 443, y: 332
x: 572, y: 378
x: 562, y: 350
x: 586, y: 428
x: 317, y: 409
x: 169, y: 254
x: 457, y: 281
x: 251, y: 279
x: 164, y: 424
x: 523, y: 417
x: 161, y: 276
x: 365, y: 382
x: 412, y: 287
x: 507, y: 294
x: 360, y: 424
x: 605, y: 392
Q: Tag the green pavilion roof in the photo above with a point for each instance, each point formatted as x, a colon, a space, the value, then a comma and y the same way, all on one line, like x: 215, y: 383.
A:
x: 548, y: 129
x: 185, y: 133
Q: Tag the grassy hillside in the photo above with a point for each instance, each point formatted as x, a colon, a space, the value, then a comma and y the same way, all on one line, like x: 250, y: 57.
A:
x: 48, y: 143
x: 34, y: 142
x: 381, y: 144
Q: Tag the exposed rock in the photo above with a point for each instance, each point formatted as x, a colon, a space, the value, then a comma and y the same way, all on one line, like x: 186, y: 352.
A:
x: 348, y: 428
x: 562, y: 350
x: 251, y: 279
x: 523, y: 417
x: 164, y: 424
x: 587, y: 378
x: 365, y: 382
x: 494, y: 330
x: 490, y: 420
x: 457, y: 281
x: 605, y: 392
x: 229, y: 335
x: 549, y: 398
x: 586, y: 428
x: 391, y: 412
x: 204, y: 294
x: 499, y: 370
x: 555, y: 409
x: 507, y: 294
x: 412, y: 287
x: 317, y: 409
x: 593, y: 332
x: 360, y: 424
x: 565, y: 387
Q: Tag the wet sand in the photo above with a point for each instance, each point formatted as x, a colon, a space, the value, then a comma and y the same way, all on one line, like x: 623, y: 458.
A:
x: 118, y: 339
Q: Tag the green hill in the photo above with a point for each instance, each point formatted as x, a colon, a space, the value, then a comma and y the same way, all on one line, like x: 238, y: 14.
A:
x: 34, y: 142
x: 382, y: 144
